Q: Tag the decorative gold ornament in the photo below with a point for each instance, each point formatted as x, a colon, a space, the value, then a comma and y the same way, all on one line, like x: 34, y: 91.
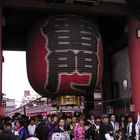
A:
x: 69, y: 100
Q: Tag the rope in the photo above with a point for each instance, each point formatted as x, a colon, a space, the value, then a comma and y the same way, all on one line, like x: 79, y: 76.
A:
x: 106, y: 101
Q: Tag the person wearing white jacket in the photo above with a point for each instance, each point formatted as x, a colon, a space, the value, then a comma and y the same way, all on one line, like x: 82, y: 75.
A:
x: 137, y: 127
x: 31, y: 127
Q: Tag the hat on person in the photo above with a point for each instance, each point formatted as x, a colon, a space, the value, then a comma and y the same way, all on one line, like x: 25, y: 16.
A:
x: 104, y: 116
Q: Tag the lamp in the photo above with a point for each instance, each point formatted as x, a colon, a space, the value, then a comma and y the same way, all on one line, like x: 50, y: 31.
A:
x: 125, y: 85
x: 138, y: 33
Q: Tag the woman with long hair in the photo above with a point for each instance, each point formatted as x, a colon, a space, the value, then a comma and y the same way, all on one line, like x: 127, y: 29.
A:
x: 79, y: 130
x: 21, y: 129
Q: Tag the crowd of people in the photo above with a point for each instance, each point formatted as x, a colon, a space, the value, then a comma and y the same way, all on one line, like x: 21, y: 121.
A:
x: 69, y: 127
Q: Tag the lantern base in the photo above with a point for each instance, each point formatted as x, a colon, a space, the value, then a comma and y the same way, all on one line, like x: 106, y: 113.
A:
x: 69, y: 100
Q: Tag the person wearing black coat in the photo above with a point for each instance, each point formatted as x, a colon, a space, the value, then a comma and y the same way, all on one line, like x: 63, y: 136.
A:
x: 8, y: 136
x: 130, y: 130
x: 122, y: 126
x: 41, y: 131
x: 61, y: 128
x: 105, y: 130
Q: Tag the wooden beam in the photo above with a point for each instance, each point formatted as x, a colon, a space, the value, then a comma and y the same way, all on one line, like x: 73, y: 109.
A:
x: 24, y: 4
x: 103, y: 8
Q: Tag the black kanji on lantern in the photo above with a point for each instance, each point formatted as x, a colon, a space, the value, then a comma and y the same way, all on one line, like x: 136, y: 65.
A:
x: 72, y: 47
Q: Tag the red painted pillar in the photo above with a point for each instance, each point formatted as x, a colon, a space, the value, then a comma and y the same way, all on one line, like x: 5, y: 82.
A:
x: 134, y: 49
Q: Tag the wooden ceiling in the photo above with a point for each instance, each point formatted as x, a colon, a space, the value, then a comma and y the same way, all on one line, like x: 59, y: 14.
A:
x: 21, y: 15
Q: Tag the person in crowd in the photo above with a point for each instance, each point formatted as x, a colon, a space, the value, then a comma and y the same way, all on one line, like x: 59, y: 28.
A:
x: 8, y: 136
x: 79, y: 130
x: 41, y: 129
x: 61, y: 126
x: 115, y: 126
x: 105, y: 130
x: 2, y: 122
x: 46, y: 121
x: 138, y: 127
x: 15, y: 129
x: 122, y: 122
x: 1, y: 128
x: 8, y: 120
x: 19, y: 116
x: 74, y: 121
x: 26, y: 120
x: 68, y: 123
x: 72, y: 126
x: 92, y: 127
x: 52, y: 126
x: 20, y: 127
x: 97, y: 127
x: 15, y: 117
x: 122, y: 127
x: 61, y: 129
x: 8, y: 127
x: 130, y: 130
x: 91, y: 119
x: 31, y: 127
x: 113, y: 122
x: 90, y: 130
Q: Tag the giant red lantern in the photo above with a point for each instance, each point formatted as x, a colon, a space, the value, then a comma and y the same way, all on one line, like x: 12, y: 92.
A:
x: 64, y: 56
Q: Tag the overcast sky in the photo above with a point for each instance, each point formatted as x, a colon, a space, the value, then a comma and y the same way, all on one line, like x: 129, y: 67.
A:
x: 14, y: 75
